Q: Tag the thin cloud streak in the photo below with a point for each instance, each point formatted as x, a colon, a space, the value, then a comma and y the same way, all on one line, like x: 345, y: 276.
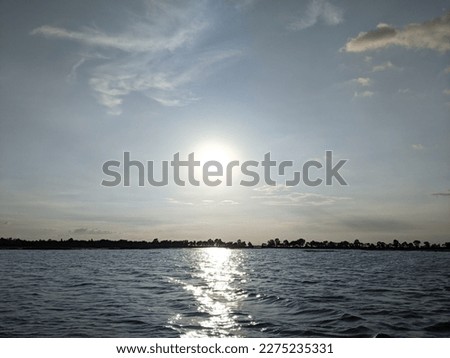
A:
x: 95, y: 38
x: 280, y: 195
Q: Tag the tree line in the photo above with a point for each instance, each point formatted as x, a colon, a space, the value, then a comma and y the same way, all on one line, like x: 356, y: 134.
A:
x: 11, y: 243
x: 356, y: 244
x: 16, y: 243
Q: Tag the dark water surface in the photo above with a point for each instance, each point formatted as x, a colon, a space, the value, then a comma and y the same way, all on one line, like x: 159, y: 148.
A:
x: 221, y: 293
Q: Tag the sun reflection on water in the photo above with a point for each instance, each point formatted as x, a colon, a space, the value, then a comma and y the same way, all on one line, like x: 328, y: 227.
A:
x: 214, y: 284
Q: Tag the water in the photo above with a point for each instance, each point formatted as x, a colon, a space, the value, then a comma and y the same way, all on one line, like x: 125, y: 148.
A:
x: 223, y: 293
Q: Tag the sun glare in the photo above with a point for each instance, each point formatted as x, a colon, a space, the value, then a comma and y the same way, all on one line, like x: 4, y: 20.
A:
x: 214, y: 151
x: 224, y: 154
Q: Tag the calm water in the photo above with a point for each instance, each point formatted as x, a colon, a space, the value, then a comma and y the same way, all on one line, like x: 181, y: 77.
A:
x: 220, y: 292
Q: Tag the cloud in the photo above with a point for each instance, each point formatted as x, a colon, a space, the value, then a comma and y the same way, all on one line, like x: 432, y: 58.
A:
x: 155, y: 55
x: 280, y: 195
x: 433, y: 35
x: 318, y: 10
x: 222, y: 202
x: 383, y: 67
x: 272, y: 189
x: 72, y: 76
x: 447, y: 70
x: 363, y: 94
x: 363, y: 81
x: 145, y: 36
x: 418, y: 146
x: 442, y: 193
x: 447, y: 92
x: 179, y: 202
x: 86, y: 231
x: 164, y: 82
x: 229, y: 202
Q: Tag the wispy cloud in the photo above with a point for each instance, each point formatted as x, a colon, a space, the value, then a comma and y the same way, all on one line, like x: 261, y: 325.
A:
x: 162, y: 26
x: 284, y: 196
x: 155, y: 55
x: 272, y: 189
x: 165, y: 83
x: 127, y: 43
x: 363, y: 94
x: 204, y: 202
x: 178, y: 202
x: 229, y: 202
x: 362, y: 81
x: 447, y: 70
x: 360, y: 85
x: 418, y: 146
x: 383, y: 67
x: 72, y: 76
x: 447, y: 92
x: 318, y: 10
x: 433, y: 35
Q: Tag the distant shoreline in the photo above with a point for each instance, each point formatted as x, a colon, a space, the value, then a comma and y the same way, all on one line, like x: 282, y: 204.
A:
x: 300, y: 244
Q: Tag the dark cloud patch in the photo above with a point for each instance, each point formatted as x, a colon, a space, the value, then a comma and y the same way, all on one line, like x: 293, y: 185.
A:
x: 432, y: 35
x: 442, y: 194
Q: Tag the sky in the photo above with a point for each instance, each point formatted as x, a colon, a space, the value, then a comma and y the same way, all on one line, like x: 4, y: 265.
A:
x: 82, y: 82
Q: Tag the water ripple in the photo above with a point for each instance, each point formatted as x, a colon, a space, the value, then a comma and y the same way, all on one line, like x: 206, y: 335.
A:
x: 224, y: 293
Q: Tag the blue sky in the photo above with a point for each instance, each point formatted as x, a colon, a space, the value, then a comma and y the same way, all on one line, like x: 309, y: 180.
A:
x: 84, y: 81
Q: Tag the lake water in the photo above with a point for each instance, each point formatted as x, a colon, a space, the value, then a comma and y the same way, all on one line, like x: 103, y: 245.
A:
x: 220, y: 293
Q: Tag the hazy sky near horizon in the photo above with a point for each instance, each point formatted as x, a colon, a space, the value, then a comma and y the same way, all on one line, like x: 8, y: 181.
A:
x: 83, y: 81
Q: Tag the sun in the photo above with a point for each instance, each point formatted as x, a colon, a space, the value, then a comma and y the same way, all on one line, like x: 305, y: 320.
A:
x: 214, y: 151
x: 223, y: 153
